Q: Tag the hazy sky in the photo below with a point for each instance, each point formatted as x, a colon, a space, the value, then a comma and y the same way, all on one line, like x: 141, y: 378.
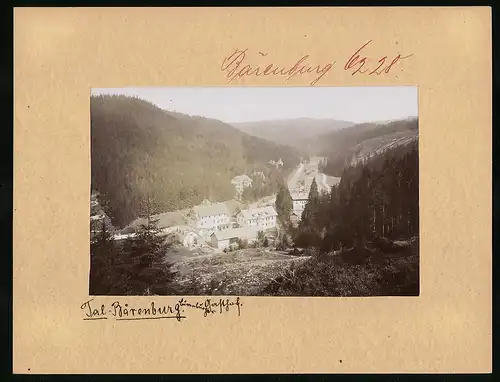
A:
x: 241, y: 104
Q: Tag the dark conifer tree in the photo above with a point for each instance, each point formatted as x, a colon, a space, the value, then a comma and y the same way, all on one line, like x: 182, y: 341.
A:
x: 103, y: 257
x: 146, y: 270
x: 284, y: 204
x: 376, y: 198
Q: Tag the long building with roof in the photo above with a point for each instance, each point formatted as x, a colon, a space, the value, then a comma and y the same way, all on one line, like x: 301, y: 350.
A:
x: 224, y: 239
x: 216, y: 216
x: 262, y: 217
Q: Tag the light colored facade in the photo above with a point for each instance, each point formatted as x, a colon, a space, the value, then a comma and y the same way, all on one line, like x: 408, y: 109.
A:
x: 224, y: 239
x: 192, y: 239
x: 186, y: 235
x: 299, y: 200
x: 262, y: 218
x: 212, y: 218
x: 276, y: 163
x: 241, y: 182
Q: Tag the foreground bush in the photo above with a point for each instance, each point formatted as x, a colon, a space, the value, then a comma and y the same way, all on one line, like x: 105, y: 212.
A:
x: 351, y: 274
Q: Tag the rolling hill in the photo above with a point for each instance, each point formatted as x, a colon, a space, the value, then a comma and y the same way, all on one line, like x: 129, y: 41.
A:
x: 140, y: 151
x: 350, y: 145
x: 292, y: 132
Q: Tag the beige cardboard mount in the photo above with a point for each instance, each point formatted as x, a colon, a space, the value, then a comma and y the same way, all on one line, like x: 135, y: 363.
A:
x: 61, y: 53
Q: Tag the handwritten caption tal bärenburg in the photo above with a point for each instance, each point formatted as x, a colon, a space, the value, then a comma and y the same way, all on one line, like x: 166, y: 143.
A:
x: 236, y: 65
x: 126, y: 312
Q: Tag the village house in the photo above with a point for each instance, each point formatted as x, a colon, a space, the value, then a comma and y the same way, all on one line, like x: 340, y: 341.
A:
x: 263, y: 218
x: 174, y: 225
x: 294, y: 219
x: 167, y: 222
x: 211, y: 217
x: 299, y: 199
x: 224, y: 239
x: 241, y: 182
x: 186, y: 235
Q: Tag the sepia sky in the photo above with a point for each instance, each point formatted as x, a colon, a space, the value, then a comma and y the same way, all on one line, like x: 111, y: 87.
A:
x: 242, y: 104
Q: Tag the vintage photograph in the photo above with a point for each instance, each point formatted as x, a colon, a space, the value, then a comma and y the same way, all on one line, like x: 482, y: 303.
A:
x: 254, y: 191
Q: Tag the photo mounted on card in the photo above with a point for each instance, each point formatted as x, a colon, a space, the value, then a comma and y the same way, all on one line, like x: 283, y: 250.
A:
x: 252, y: 190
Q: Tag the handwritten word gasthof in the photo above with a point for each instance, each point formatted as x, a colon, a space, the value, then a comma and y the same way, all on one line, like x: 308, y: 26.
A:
x: 236, y: 65
x: 126, y: 312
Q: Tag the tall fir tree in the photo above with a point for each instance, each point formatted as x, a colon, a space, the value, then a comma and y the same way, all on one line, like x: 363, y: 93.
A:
x: 284, y: 204
x: 308, y: 230
x: 103, y: 257
x: 146, y: 269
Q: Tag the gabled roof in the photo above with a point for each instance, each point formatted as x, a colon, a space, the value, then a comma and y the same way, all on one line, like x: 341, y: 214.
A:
x: 299, y: 195
x: 213, y: 209
x: 233, y: 205
x: 232, y: 233
x: 165, y: 220
x: 241, y: 178
x: 260, y: 212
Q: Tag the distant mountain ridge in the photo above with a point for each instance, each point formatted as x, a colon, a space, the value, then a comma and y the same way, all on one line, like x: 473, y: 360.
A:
x: 292, y: 132
x: 357, y: 143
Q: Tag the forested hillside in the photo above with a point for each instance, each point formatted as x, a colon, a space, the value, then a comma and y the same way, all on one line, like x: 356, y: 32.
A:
x: 363, y: 236
x: 378, y: 198
x: 345, y: 146
x: 140, y: 150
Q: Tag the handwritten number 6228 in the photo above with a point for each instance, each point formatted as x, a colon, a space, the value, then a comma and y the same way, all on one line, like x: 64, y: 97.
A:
x: 357, y: 62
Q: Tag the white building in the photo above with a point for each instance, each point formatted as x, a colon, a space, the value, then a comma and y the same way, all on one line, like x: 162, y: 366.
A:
x: 192, y: 239
x: 262, y: 218
x: 241, y: 182
x: 189, y: 237
x: 211, y: 217
x: 223, y: 239
x: 299, y: 199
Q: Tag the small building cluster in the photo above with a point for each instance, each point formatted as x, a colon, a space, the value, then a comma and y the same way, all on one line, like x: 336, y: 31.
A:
x: 221, y: 224
x: 278, y: 163
x: 240, y: 182
x: 215, y: 224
